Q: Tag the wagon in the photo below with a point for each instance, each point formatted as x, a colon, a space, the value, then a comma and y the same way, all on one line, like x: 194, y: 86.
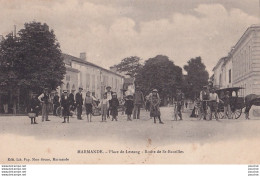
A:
x: 236, y: 102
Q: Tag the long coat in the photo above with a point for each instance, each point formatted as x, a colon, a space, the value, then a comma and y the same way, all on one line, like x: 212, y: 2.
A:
x: 65, y: 103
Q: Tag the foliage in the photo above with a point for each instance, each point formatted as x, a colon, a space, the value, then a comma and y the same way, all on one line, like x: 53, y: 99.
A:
x: 159, y: 73
x: 35, y: 56
x: 130, y: 66
x: 197, y: 77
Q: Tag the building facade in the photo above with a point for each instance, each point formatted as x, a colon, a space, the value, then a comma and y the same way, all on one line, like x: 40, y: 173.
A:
x: 241, y: 68
x: 246, y: 62
x: 91, y: 77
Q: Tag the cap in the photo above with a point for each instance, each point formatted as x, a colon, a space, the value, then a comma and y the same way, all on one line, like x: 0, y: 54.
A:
x: 155, y: 90
x: 114, y: 93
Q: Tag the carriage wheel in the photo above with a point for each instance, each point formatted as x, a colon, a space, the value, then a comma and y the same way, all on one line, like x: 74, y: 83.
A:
x: 220, y: 115
x: 236, y: 113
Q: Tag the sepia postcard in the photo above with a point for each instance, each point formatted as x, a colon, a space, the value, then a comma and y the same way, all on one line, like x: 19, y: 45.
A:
x: 130, y: 82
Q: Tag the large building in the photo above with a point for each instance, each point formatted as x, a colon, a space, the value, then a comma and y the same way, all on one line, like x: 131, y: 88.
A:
x: 241, y: 68
x: 90, y: 77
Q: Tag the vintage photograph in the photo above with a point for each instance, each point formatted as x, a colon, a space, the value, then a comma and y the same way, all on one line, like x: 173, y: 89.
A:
x: 130, y: 82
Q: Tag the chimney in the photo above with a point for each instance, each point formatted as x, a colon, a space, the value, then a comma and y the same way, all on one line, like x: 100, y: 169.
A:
x: 83, y: 56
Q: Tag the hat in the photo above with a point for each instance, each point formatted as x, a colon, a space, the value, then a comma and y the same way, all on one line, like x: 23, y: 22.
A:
x: 80, y: 87
x: 205, y: 86
x: 108, y: 87
x: 114, y: 93
x: 46, y: 88
x: 65, y: 91
x: 155, y: 90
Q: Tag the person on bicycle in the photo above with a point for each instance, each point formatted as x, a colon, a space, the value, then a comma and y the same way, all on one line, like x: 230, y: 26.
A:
x: 214, y: 100
x: 204, y: 97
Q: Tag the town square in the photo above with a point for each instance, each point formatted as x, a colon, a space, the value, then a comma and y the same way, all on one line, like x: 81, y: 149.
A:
x: 108, y: 81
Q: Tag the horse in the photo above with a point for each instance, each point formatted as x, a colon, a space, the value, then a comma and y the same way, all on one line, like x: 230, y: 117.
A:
x: 250, y: 100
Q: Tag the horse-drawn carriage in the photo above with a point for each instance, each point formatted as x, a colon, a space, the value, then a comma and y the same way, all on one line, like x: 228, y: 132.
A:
x: 236, y: 102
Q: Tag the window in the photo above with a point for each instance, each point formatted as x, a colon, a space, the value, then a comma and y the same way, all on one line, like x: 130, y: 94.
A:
x: 229, y: 76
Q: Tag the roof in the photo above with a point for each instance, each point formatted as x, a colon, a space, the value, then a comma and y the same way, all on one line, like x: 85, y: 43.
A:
x: 242, y: 38
x: 219, y: 61
x: 230, y: 89
x: 76, y: 59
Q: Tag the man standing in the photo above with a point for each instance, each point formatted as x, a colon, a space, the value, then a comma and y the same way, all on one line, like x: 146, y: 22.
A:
x: 79, y: 103
x: 214, y: 100
x: 138, y: 102
x: 204, y: 97
x: 179, y: 103
x: 109, y: 98
x: 45, y: 100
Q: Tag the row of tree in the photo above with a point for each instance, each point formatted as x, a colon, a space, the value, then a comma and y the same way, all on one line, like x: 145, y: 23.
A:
x: 161, y: 73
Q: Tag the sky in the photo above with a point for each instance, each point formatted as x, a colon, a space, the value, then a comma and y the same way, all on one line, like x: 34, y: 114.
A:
x: 110, y: 30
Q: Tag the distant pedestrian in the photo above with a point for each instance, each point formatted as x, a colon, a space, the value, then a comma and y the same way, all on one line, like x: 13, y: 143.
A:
x: 109, y: 97
x: 155, y: 106
x: 186, y: 104
x: 5, y: 99
x: 79, y: 103
x: 89, y: 104
x: 34, y: 108
x: 129, y: 105
x: 114, y: 103
x: 65, y: 104
x: 104, y: 105
x: 45, y: 100
x: 56, y: 103
x: 147, y: 103
x: 227, y: 109
x: 197, y: 107
x: 138, y: 102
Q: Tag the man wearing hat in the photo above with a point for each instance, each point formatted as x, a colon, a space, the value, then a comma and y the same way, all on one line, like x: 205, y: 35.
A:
x: 204, y: 97
x: 45, y: 100
x: 79, y: 103
x: 109, y: 94
x: 138, y: 102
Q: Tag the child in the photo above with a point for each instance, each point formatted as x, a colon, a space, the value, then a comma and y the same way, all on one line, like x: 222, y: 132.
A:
x: 129, y: 104
x: 34, y: 108
x: 114, y: 103
x: 65, y: 104
x: 104, y: 105
x: 197, y: 107
x: 89, y: 102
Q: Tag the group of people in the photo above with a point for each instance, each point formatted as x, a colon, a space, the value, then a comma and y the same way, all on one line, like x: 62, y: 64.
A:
x: 209, y: 98
x: 108, y: 105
